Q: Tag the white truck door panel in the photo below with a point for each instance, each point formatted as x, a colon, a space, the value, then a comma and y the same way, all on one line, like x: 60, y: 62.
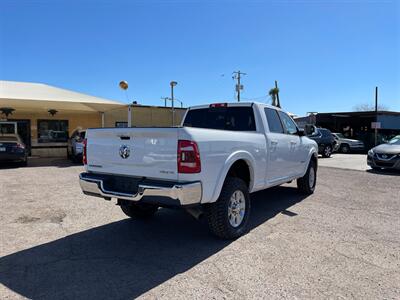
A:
x: 278, y: 163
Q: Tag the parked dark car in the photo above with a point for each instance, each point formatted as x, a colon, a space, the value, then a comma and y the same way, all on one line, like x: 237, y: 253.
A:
x: 12, y: 149
x: 385, y: 156
x: 324, y: 138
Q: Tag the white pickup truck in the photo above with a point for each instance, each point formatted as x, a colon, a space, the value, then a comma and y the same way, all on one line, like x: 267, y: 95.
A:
x: 209, y: 165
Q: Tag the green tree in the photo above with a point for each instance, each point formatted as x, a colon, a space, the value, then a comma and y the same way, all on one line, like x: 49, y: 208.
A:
x: 274, y: 93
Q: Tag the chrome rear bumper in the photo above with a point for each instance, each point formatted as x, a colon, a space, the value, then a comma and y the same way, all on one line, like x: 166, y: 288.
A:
x: 184, y: 193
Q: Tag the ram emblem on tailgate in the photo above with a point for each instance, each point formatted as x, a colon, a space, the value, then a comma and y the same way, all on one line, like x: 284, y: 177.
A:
x: 124, y: 151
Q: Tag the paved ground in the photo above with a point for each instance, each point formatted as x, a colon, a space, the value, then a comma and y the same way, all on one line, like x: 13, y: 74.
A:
x: 341, y: 242
x: 346, y: 161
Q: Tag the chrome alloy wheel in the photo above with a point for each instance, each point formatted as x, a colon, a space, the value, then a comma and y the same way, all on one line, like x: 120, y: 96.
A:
x: 236, y: 208
x: 327, y: 151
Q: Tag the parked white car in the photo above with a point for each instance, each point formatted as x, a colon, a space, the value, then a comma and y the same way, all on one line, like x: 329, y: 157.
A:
x: 346, y: 145
x: 209, y: 165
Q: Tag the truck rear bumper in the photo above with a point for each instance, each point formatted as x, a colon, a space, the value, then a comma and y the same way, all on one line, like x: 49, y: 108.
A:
x: 181, y: 194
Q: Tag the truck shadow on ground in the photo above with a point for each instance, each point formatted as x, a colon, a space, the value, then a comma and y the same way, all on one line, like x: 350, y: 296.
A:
x: 126, y: 258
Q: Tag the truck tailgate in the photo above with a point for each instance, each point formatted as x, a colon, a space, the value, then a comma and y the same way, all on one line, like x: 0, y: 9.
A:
x: 142, y: 152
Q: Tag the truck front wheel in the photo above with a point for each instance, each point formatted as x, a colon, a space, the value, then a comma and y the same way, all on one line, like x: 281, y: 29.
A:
x: 138, y: 210
x: 228, y: 216
x: 306, y: 184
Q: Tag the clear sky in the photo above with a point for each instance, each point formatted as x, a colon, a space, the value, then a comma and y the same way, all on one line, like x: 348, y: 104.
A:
x: 326, y: 55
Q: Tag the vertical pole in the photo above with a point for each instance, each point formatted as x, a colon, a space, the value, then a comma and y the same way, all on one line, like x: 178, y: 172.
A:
x: 277, y: 95
x: 173, y: 106
x: 129, y: 115
x: 238, y: 87
x: 102, y: 120
x: 376, y: 115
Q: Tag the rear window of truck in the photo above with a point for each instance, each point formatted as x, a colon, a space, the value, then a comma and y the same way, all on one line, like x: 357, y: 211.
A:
x: 239, y: 118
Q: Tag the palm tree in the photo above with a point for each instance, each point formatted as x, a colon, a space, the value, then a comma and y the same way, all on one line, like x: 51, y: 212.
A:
x: 274, y: 93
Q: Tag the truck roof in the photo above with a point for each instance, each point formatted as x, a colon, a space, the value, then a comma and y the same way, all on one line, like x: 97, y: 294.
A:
x: 231, y: 104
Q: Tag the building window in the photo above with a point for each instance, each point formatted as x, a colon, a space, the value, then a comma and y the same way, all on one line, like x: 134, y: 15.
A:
x: 121, y: 124
x: 52, y: 131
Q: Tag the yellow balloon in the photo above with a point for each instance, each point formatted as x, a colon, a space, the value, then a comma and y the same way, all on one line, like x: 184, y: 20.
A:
x: 123, y: 85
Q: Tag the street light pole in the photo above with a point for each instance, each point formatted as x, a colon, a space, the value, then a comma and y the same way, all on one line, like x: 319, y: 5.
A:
x: 172, y: 84
x: 124, y: 86
x: 376, y: 115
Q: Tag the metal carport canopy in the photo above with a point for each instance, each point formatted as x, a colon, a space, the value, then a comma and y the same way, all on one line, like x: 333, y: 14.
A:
x: 30, y: 97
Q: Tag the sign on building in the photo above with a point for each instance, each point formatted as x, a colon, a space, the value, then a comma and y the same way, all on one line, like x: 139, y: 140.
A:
x: 376, y: 125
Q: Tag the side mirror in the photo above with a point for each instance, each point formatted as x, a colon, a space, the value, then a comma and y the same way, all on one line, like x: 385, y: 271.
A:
x: 300, y: 132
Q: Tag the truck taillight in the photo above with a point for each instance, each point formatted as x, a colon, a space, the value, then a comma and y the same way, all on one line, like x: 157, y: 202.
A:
x: 216, y: 105
x: 188, y: 157
x: 84, y: 152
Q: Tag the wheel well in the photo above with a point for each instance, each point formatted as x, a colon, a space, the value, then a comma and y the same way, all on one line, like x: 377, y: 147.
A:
x: 240, y: 169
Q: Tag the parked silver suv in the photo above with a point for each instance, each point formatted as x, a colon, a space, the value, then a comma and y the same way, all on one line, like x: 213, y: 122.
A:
x: 346, y: 145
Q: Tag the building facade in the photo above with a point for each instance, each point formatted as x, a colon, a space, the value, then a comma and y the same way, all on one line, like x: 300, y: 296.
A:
x: 358, y: 125
x: 47, y: 116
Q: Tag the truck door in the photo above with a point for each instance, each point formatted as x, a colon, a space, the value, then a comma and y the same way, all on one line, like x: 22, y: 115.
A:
x: 297, y: 155
x: 277, y: 147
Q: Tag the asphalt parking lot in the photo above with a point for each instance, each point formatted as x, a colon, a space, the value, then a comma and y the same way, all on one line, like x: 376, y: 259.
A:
x: 351, y: 161
x: 341, y: 242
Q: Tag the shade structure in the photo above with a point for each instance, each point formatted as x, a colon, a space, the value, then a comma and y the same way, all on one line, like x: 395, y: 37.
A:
x: 26, y: 96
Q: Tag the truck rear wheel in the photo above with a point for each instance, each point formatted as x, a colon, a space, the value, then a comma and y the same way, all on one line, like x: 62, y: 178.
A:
x: 228, y: 216
x: 306, y: 184
x: 138, y: 210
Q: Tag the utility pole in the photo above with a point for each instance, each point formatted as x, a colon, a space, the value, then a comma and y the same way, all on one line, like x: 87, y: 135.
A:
x: 278, y: 103
x: 237, y: 76
x: 376, y: 115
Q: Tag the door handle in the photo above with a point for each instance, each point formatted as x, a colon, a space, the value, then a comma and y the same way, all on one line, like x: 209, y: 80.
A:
x: 273, y: 143
x: 293, y: 143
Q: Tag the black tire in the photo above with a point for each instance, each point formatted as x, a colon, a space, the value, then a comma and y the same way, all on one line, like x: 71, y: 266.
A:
x: 327, y: 151
x: 344, y: 148
x: 23, y: 163
x: 306, y: 184
x: 77, y: 159
x: 217, y: 213
x: 138, y: 210
x: 73, y: 157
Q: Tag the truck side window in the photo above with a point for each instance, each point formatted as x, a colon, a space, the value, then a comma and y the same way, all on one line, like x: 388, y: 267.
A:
x: 288, y: 123
x: 274, y: 123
